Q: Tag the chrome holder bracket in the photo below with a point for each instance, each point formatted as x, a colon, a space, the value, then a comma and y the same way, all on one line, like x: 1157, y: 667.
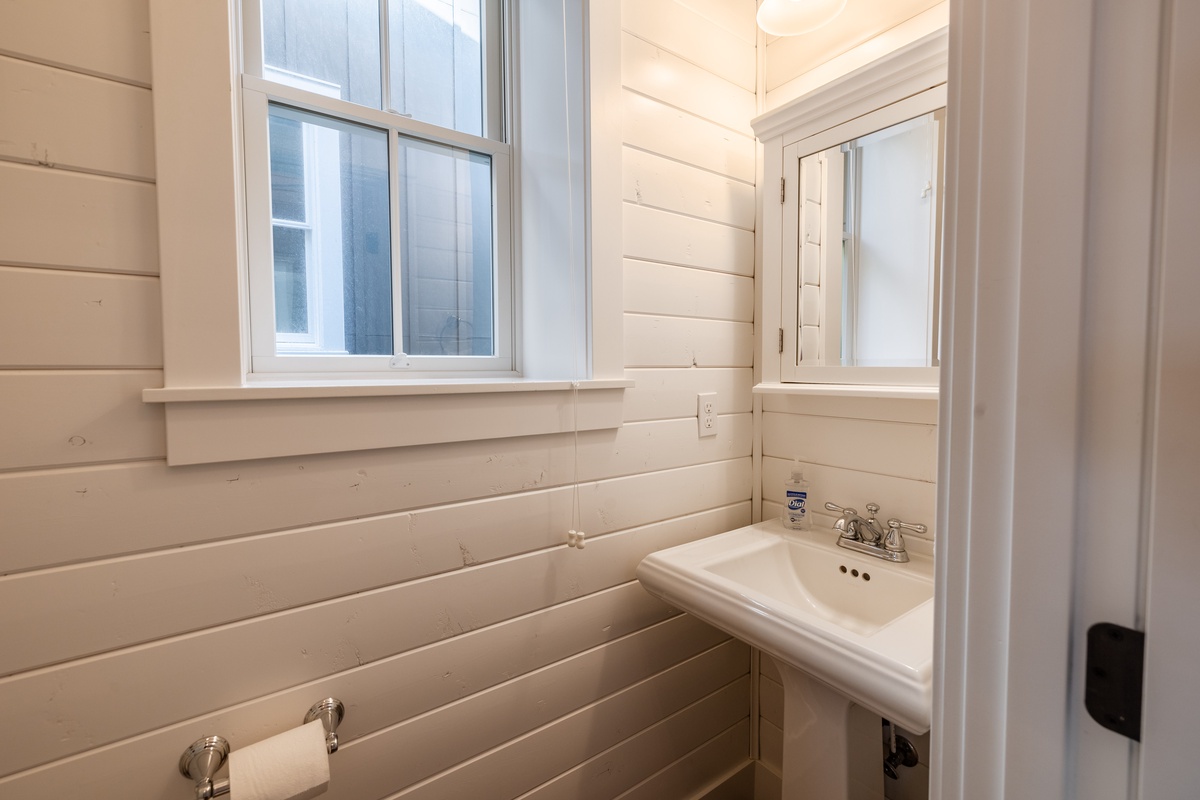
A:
x: 205, y: 757
x: 330, y: 711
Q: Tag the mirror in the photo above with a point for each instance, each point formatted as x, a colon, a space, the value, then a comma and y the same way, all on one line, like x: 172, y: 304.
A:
x: 869, y: 275
x: 860, y: 256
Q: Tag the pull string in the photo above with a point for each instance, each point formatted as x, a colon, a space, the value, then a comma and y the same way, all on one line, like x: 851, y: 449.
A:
x: 575, y: 536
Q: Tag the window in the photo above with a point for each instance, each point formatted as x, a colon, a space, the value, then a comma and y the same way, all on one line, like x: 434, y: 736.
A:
x: 565, y: 298
x: 378, y: 186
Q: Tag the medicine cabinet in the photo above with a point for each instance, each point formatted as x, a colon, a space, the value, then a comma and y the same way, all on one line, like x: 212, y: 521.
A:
x: 852, y: 244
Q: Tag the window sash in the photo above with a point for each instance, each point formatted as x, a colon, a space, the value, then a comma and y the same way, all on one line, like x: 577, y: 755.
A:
x: 258, y: 93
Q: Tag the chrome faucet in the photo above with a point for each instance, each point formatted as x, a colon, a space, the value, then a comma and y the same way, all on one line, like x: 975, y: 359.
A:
x: 867, y: 536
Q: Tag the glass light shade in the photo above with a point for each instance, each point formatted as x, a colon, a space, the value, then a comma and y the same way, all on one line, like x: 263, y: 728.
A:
x: 793, y: 17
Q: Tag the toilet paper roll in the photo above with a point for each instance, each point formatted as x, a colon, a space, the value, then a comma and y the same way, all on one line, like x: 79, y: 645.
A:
x: 291, y: 766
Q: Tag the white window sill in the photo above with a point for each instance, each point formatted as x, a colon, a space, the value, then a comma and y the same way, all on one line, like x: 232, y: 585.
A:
x: 270, y: 420
x: 849, y: 390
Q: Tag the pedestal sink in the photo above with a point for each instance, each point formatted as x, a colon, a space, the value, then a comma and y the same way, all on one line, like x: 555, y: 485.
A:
x: 844, y: 629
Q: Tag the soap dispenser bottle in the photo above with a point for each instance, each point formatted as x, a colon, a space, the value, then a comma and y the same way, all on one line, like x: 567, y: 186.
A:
x: 796, y: 491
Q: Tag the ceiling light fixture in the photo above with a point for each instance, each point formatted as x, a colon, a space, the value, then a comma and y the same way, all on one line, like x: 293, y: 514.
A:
x: 792, y: 17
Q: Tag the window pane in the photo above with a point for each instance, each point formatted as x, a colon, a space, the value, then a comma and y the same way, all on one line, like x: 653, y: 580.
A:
x: 291, y: 279
x: 325, y: 47
x: 437, y: 62
x: 446, y: 231
x: 333, y: 274
x: 287, y: 169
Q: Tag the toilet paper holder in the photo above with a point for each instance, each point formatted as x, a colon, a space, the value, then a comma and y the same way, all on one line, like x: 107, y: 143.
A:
x: 206, y: 756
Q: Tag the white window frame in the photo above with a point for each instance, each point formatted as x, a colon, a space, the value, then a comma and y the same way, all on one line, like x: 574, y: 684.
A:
x: 817, y: 120
x: 570, y: 355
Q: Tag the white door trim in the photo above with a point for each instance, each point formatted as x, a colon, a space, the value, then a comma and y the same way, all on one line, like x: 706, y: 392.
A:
x: 1015, y: 244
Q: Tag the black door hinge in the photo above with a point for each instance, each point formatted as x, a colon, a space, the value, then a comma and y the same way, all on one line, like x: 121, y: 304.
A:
x: 1113, y: 688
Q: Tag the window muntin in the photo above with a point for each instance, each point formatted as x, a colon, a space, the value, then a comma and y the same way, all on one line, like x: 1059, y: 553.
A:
x: 405, y: 255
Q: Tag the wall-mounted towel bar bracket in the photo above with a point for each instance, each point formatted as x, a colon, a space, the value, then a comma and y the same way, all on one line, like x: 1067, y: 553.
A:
x: 206, y: 756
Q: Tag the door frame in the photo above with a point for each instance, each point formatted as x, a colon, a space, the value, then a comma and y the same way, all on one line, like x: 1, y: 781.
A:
x: 1032, y: 548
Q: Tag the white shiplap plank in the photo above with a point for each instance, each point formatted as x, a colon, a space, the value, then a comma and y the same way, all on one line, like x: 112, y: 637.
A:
x: 515, y: 710
x: 770, y: 701
x: 56, y: 318
x: 671, y: 393
x: 920, y: 411
x: 910, y: 500
x: 108, y: 39
x: 657, y: 127
x: 144, y: 506
x: 580, y: 736
x: 685, y: 292
x: 668, y: 185
x: 693, y: 37
x: 261, y: 655
x: 769, y: 669
x: 770, y: 746
x: 683, y: 342
x: 901, y: 449
x: 59, y: 418
x: 68, y: 219
x: 376, y: 695
x: 735, y: 16
x: 654, y: 72
x: 116, y: 603
x: 701, y: 769
x: 623, y: 767
x: 45, y: 109
x: 654, y: 235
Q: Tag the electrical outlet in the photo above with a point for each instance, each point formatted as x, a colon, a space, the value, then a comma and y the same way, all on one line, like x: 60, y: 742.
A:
x: 706, y: 413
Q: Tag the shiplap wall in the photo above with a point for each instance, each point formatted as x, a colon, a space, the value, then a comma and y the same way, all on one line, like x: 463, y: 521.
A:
x: 429, y: 588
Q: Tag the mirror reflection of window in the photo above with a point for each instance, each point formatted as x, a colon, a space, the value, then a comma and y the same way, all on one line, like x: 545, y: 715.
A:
x: 890, y: 245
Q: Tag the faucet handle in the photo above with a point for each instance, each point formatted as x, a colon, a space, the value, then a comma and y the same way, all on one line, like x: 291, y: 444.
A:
x: 894, y: 542
x: 847, y: 511
x: 914, y: 527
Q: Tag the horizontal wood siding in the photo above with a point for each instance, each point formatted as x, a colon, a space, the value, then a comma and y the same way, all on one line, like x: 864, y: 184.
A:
x: 689, y: 75
x: 109, y: 39
x: 45, y: 105
x: 428, y: 587
x: 57, y: 418
x: 113, y: 222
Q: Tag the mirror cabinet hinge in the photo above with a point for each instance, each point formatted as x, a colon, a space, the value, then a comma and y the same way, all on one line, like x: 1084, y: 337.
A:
x: 782, y: 191
x: 781, y: 340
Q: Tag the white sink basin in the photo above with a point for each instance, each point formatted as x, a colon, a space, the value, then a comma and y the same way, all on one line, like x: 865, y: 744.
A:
x: 860, y: 625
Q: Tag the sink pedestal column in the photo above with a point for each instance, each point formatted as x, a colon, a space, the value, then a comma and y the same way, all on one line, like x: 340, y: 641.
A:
x: 832, y: 749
